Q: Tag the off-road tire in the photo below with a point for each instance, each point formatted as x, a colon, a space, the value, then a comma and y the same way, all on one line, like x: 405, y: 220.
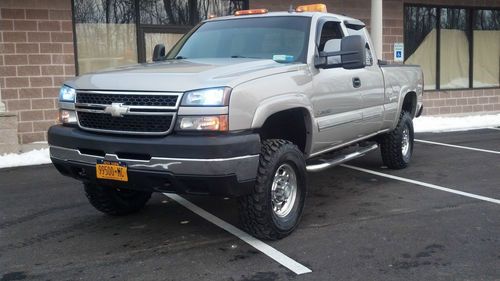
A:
x: 256, y: 210
x: 391, y: 144
x: 114, y: 201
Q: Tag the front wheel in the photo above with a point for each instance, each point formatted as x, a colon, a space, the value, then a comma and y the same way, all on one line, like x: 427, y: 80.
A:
x: 274, y: 209
x: 397, y: 146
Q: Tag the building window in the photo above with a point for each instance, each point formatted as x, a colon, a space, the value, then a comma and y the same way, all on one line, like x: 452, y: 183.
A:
x: 110, y: 33
x: 457, y: 47
x: 420, y: 41
x: 486, y: 34
x: 105, y: 33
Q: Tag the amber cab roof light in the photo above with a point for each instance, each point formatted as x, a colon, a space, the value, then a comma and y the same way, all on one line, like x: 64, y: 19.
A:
x: 251, y: 12
x: 312, y: 8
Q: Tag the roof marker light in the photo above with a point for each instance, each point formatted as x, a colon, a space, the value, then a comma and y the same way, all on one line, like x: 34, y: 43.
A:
x: 251, y: 12
x: 312, y: 8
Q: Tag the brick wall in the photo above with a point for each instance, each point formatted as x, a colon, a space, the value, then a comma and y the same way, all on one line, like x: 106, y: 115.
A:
x: 435, y: 102
x: 36, y: 56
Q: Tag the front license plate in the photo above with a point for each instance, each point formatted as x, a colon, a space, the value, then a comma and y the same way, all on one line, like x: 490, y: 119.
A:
x: 111, y: 170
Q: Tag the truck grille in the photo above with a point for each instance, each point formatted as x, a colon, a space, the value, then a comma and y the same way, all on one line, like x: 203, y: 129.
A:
x: 127, y: 123
x: 138, y: 100
x: 139, y: 113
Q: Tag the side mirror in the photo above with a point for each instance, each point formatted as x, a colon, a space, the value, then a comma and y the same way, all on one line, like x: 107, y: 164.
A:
x: 352, y: 54
x: 159, y: 52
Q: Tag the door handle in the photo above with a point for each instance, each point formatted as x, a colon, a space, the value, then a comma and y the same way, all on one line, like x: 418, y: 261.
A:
x: 356, y: 82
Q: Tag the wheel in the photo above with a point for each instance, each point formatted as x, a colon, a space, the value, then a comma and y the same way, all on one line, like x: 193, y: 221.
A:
x: 116, y: 201
x: 274, y: 209
x: 397, y: 146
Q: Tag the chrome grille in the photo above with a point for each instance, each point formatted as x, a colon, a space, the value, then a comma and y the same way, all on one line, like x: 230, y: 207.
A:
x: 140, y: 113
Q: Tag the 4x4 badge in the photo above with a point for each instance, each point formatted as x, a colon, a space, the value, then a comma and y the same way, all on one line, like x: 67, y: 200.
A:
x: 116, y: 109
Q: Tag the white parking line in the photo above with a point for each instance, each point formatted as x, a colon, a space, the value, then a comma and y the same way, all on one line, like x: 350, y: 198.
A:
x: 269, y: 251
x: 429, y: 185
x: 458, y: 146
x: 494, y: 128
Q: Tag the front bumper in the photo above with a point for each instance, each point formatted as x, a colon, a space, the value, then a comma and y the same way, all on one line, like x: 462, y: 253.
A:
x: 220, y: 165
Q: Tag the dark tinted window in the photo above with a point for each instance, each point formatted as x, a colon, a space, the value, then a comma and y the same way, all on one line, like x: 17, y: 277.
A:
x: 330, y: 30
x: 420, y: 21
x: 175, y: 12
x: 205, y: 8
x: 104, y: 11
x: 181, y: 12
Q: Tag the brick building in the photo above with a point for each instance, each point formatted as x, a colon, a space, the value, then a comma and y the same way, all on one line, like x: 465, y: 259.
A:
x: 44, y: 42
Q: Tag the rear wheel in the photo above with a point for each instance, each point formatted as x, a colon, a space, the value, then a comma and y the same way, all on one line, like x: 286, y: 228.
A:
x: 397, y: 146
x: 274, y: 209
x: 116, y: 201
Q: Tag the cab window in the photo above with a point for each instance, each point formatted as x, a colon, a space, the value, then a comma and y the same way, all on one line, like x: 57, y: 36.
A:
x: 330, y: 31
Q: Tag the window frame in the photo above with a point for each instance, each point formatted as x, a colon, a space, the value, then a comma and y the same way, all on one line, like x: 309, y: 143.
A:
x: 470, y: 10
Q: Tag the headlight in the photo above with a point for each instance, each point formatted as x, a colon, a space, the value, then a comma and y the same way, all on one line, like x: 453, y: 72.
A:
x: 67, y: 94
x: 203, y: 123
x: 207, y: 97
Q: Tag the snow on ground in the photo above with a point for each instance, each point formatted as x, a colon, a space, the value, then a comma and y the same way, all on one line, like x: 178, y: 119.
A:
x: 34, y: 157
x: 449, y: 124
x: 421, y: 124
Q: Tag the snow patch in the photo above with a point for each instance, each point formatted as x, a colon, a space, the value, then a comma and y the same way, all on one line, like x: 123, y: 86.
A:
x: 449, y: 124
x: 34, y: 157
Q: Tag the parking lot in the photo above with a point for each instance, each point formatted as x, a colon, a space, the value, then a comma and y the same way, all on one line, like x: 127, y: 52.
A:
x: 437, y: 220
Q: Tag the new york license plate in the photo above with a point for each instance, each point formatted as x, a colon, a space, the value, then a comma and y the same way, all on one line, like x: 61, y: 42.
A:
x: 111, y: 170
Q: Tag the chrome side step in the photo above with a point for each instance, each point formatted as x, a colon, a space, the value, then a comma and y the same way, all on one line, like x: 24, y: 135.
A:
x: 327, y: 163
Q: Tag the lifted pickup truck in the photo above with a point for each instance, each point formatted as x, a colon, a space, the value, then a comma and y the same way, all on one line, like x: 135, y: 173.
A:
x: 242, y: 106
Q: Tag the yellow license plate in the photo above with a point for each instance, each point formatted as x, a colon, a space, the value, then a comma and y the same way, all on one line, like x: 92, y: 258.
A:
x: 111, y: 170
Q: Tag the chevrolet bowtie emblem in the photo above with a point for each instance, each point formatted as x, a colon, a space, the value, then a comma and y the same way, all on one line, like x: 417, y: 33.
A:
x: 116, y: 109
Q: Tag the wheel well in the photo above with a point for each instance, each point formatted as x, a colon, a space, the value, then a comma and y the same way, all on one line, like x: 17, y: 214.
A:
x: 292, y: 125
x: 410, y: 103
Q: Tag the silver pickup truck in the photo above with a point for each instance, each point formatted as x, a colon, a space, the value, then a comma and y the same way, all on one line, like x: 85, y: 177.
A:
x: 242, y: 106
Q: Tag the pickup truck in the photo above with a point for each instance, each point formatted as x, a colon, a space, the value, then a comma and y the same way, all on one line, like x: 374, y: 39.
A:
x: 243, y: 106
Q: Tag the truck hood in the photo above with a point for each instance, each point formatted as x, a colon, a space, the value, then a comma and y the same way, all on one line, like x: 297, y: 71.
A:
x: 181, y: 75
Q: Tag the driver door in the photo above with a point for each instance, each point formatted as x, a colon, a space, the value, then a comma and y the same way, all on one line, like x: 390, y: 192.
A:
x: 337, y: 103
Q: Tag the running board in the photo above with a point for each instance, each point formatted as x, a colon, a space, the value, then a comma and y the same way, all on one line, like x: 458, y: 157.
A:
x: 327, y: 163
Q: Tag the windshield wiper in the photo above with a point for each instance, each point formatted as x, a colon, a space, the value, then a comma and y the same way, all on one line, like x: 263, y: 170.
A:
x: 243, y: 57
x: 180, y: 58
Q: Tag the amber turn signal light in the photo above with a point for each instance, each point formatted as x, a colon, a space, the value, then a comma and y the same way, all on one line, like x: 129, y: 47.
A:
x: 312, y: 8
x: 251, y: 12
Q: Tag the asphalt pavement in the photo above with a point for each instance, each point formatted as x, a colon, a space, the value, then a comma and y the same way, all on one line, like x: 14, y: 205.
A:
x: 357, y: 225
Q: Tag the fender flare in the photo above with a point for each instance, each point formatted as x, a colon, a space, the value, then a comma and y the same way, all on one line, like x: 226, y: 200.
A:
x: 288, y: 101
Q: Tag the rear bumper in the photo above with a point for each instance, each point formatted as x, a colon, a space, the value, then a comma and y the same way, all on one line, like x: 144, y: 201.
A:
x: 217, y: 168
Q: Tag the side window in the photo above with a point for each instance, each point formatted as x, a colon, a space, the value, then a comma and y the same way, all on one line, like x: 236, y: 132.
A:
x: 330, y: 30
x: 369, y: 58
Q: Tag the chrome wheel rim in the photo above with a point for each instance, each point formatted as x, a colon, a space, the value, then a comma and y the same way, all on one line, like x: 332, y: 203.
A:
x: 405, y: 142
x: 284, y: 190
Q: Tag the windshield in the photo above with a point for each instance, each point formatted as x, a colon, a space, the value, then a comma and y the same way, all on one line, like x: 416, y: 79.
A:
x: 283, y: 39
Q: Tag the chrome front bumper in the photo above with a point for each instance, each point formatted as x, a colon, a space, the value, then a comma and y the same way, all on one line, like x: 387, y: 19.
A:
x: 244, y: 167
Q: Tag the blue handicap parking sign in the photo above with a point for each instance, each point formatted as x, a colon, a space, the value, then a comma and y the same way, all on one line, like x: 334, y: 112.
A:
x: 398, y: 54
